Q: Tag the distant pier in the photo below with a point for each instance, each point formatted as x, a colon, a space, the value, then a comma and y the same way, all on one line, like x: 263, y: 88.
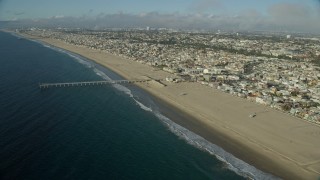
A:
x: 88, y: 83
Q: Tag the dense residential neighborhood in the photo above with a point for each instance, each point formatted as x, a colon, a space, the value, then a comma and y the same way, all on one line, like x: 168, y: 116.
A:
x: 279, y: 71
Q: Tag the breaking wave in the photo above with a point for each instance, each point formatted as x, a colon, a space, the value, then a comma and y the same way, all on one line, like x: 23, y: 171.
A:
x: 238, y: 166
x: 142, y: 106
x: 233, y: 163
x: 80, y: 60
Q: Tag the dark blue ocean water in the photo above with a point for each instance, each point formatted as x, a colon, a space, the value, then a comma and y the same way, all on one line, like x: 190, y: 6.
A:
x: 89, y: 132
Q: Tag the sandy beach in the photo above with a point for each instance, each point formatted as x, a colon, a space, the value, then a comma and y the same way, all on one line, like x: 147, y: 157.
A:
x: 273, y: 141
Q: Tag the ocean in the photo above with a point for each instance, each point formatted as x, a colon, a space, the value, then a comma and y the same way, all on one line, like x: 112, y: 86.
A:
x: 101, y: 132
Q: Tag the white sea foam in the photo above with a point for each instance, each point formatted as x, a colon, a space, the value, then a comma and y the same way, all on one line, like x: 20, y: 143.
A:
x: 240, y: 167
x: 74, y: 56
x: 101, y: 74
x: 123, y: 89
x: 142, y: 106
x: 80, y: 60
x: 16, y: 35
x: 47, y: 46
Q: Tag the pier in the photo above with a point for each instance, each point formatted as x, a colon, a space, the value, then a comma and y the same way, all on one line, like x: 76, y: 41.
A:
x: 88, y: 83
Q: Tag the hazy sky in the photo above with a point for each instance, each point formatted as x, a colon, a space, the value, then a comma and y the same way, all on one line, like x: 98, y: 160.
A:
x: 13, y: 9
x: 241, y: 13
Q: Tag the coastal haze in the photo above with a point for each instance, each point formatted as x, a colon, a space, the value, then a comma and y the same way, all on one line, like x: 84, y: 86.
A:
x: 246, y: 15
x: 230, y: 89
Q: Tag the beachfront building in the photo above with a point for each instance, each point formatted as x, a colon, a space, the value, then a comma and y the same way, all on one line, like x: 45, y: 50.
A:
x: 275, y: 73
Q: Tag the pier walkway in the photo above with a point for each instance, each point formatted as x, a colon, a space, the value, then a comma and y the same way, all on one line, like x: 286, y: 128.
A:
x: 89, y: 83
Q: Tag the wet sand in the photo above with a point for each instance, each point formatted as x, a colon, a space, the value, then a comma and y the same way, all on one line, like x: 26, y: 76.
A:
x: 273, y: 141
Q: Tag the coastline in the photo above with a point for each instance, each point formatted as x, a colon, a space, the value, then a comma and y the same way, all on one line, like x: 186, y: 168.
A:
x: 223, y: 120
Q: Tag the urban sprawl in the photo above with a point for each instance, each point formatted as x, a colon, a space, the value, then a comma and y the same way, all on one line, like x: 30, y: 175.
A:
x: 280, y: 71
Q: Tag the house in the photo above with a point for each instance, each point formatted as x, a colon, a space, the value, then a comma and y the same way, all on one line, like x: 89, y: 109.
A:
x: 260, y: 100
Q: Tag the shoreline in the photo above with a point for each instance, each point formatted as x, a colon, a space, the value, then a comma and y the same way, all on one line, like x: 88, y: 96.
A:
x: 212, y: 124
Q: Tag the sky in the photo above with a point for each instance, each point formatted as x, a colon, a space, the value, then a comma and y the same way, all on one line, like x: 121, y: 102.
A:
x: 300, y: 15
